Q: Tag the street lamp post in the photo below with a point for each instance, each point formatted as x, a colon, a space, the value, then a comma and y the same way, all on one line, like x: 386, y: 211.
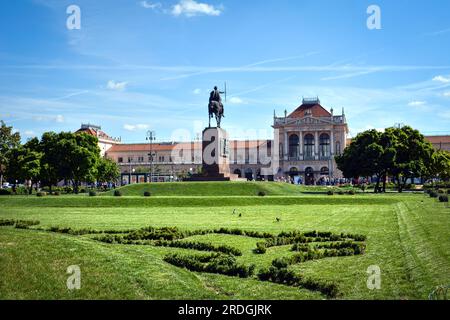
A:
x: 150, y: 138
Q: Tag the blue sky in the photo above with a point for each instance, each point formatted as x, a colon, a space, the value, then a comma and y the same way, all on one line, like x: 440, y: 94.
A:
x: 138, y: 65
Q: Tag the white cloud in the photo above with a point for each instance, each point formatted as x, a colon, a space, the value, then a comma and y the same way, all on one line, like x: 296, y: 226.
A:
x: 135, y: 127
x: 197, y: 91
x: 29, y: 133
x: 446, y: 94
x: 236, y: 100
x: 150, y: 5
x: 117, y: 86
x: 191, y: 8
x: 59, y: 118
x: 416, y: 103
x: 441, y: 79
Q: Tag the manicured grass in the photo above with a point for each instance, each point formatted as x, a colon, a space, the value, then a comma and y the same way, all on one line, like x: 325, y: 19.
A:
x: 407, y: 236
x: 214, y: 189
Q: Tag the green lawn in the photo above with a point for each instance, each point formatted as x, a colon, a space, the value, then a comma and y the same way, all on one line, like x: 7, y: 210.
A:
x: 250, y: 188
x: 407, y: 237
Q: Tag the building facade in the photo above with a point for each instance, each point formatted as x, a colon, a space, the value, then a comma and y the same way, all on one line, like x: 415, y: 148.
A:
x: 303, y: 150
x: 309, y: 138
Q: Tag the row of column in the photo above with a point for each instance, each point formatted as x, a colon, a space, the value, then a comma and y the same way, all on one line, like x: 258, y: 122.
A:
x: 316, y: 144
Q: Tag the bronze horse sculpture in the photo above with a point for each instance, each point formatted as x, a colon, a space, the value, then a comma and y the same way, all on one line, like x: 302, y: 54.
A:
x: 215, y: 107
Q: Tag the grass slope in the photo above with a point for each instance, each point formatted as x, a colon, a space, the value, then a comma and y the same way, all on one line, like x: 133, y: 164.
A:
x: 210, y: 189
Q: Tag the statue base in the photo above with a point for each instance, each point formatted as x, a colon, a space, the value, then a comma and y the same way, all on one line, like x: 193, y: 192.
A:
x: 215, y: 157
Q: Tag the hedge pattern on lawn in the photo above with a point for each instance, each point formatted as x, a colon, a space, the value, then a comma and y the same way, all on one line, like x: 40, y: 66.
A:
x: 307, y: 246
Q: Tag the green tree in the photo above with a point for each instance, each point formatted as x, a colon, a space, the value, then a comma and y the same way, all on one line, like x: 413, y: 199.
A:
x: 78, y: 157
x: 25, y: 163
x: 107, y: 170
x: 368, y: 155
x: 440, y: 167
x: 8, y: 141
x: 413, y: 154
x: 50, y: 161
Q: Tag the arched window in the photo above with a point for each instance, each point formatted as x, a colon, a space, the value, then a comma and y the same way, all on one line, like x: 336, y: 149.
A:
x: 324, y: 141
x: 294, y: 143
x: 309, y: 146
x: 324, y: 171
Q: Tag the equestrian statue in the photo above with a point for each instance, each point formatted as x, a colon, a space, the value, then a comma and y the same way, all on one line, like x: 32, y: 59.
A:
x: 215, y: 107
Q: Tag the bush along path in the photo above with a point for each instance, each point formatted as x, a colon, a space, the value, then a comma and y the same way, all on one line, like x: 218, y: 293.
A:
x: 221, y: 259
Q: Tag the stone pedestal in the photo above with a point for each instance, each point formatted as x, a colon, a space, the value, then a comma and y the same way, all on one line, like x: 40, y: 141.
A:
x: 215, y: 157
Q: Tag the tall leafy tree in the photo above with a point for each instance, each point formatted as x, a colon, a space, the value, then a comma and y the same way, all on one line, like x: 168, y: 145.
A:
x: 440, y: 166
x: 8, y: 141
x: 50, y: 162
x: 107, y: 170
x: 25, y: 163
x: 78, y: 157
x: 368, y: 155
x: 413, y: 154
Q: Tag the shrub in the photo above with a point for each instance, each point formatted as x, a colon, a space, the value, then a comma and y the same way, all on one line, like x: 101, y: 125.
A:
x: 280, y: 263
x: 41, y: 194
x: 260, y: 248
x: 92, y: 193
x: 443, y: 198
x: 5, y: 192
x: 214, y: 263
x: 261, y: 194
x: 330, y: 192
x: 20, y: 225
x: 433, y: 194
x: 200, y: 246
x: 68, y: 189
x: 441, y: 191
x: 117, y: 193
x: 56, y: 193
x: 351, y: 192
x: 341, y: 192
x: 7, y: 222
x: 147, y: 194
x: 82, y: 190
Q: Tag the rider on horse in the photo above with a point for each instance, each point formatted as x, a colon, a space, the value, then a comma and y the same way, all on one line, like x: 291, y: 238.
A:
x: 215, y: 106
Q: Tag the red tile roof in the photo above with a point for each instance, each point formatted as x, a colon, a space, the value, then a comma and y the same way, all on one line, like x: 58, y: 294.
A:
x: 438, y: 139
x: 316, y: 111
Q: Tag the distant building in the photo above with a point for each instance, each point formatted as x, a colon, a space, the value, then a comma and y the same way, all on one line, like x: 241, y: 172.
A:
x: 304, y: 146
x: 309, y: 139
x: 105, y: 142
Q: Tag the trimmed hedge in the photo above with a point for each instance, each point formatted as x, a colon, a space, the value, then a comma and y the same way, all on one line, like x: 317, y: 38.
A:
x: 200, y: 246
x: 20, y: 224
x: 147, y: 194
x: 117, y: 193
x: 287, y: 277
x: 260, y: 248
x: 5, y: 192
x: 214, y: 263
x: 443, y: 198
x: 92, y: 193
